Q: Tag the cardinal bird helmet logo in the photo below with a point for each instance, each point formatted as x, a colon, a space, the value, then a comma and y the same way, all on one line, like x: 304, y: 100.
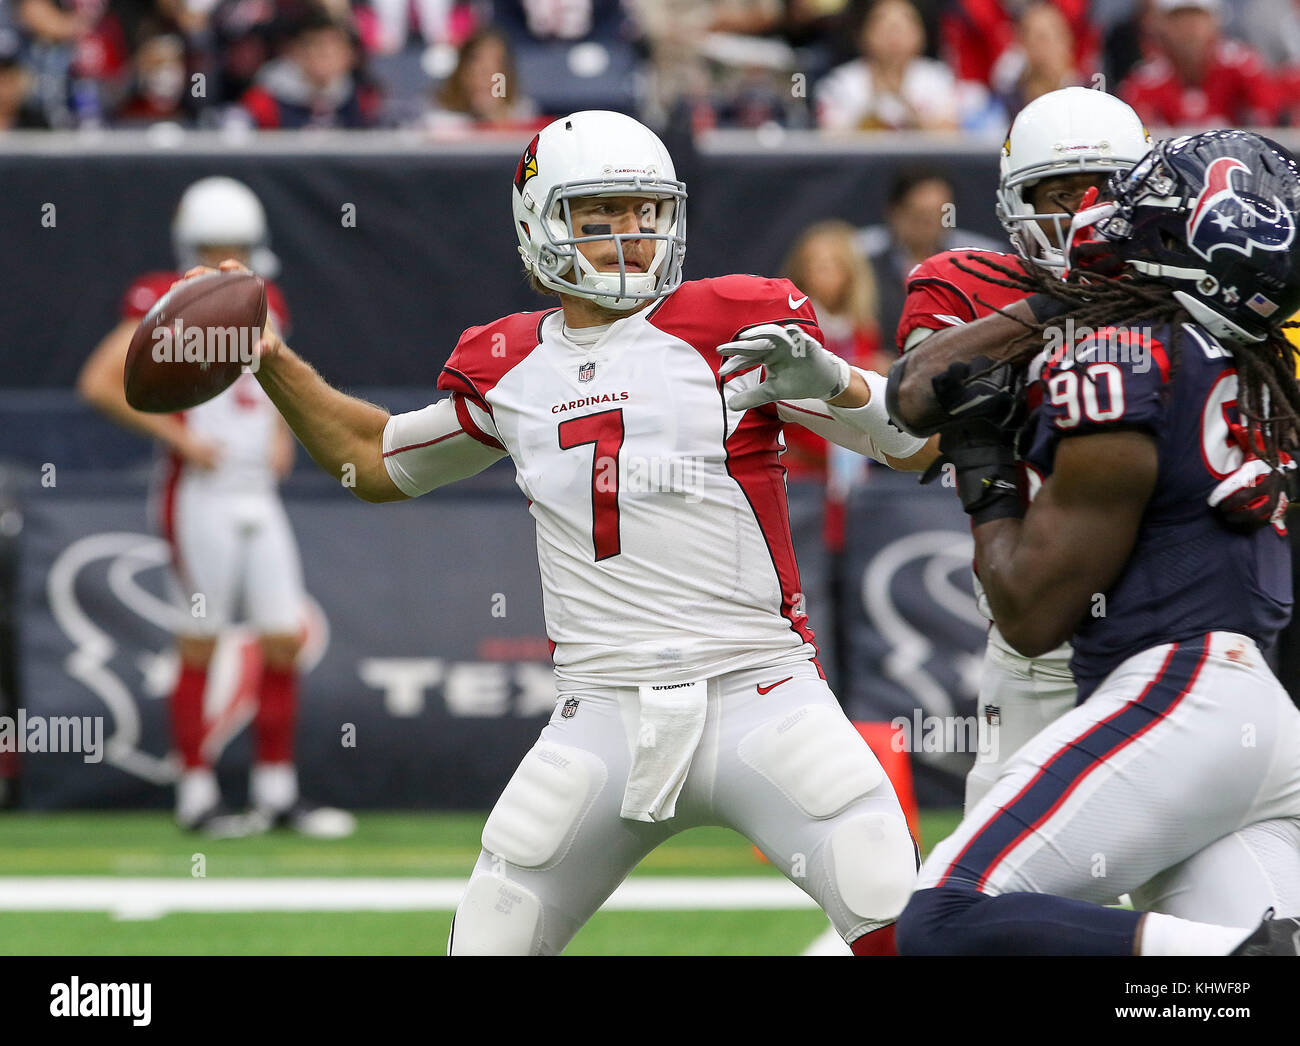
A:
x: 527, y: 164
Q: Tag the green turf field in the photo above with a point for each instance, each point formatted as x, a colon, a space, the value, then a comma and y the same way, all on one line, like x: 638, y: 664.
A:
x: 132, y: 875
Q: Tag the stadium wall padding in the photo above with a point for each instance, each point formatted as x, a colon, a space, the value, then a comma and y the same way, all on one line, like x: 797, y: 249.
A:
x: 387, y: 256
x: 442, y: 694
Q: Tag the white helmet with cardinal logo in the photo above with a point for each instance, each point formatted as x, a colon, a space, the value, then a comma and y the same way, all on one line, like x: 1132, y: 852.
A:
x: 597, y: 153
x: 1075, y: 130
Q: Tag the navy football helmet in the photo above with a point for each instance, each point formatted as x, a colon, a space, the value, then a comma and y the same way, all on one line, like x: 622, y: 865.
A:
x: 1215, y: 216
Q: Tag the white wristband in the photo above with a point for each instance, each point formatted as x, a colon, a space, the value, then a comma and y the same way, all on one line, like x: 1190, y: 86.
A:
x: 873, y: 419
x: 845, y: 378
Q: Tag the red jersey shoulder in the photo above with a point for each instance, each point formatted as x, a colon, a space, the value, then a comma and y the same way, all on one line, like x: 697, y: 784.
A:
x: 732, y: 303
x: 484, y: 355
x: 707, y: 313
x: 145, y: 291
x: 947, y: 265
x: 942, y: 294
x: 277, y: 307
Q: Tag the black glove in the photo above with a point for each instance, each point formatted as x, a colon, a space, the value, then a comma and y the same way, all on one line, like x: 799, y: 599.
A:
x: 984, y: 390
x: 984, y: 459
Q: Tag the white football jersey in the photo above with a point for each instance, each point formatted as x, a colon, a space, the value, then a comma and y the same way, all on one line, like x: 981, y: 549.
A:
x: 243, y: 423
x: 242, y: 420
x: 663, y: 534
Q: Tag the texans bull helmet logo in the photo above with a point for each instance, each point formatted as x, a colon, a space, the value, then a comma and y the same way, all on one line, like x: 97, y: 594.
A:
x: 1226, y: 217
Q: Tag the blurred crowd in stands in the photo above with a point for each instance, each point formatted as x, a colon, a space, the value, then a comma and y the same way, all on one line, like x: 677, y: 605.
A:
x: 452, y: 66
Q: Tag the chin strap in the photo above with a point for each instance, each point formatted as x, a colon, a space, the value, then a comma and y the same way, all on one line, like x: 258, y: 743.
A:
x: 1216, y: 323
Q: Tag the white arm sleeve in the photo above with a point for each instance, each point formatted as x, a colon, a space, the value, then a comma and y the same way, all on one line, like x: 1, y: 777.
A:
x: 428, y: 448
x: 866, y: 430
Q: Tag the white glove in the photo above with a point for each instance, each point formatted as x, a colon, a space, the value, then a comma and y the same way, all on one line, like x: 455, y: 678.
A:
x: 798, y: 368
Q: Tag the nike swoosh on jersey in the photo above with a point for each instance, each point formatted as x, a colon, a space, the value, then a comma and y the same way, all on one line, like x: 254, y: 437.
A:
x: 796, y: 304
x: 772, y: 686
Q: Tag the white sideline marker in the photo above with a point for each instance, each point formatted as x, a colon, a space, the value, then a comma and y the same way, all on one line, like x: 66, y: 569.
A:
x: 130, y: 898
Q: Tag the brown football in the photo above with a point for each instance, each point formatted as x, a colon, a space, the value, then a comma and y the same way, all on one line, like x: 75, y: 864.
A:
x: 192, y: 345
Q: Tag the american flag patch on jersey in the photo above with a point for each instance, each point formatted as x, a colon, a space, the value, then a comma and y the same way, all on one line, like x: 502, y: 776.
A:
x: 587, y: 371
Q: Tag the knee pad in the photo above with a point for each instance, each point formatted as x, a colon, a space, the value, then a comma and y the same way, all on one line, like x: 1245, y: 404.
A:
x: 533, y: 822
x: 496, y: 917
x: 815, y: 757
x: 872, y: 862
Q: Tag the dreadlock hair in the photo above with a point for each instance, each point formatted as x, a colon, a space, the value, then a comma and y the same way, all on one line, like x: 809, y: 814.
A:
x: 1268, y: 394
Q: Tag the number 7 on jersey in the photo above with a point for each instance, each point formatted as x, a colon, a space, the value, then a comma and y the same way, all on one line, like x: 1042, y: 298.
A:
x: 605, y: 431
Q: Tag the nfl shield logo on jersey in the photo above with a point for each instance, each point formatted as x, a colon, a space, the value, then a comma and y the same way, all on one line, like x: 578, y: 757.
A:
x: 586, y: 372
x: 570, y: 708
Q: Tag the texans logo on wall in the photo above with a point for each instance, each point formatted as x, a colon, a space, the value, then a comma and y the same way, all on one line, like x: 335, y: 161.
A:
x: 105, y: 596
x: 914, y: 631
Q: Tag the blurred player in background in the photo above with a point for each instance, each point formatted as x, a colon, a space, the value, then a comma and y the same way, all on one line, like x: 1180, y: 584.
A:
x: 1059, y: 146
x: 218, y: 507
x: 1177, y: 777
x: 644, y: 421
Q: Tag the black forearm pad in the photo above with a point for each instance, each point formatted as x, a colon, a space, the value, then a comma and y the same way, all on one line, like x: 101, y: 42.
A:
x: 893, y: 382
x: 1001, y: 507
x: 1045, y: 307
x: 989, y: 493
x: 986, y: 478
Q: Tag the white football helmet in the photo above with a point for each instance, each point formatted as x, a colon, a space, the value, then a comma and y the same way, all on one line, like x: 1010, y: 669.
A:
x: 1070, y: 131
x: 597, y: 153
x: 226, y: 213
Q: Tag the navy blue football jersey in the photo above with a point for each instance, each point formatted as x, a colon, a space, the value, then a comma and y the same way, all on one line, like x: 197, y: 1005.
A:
x: 1188, y: 573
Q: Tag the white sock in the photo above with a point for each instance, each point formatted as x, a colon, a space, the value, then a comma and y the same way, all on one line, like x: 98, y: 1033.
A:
x: 274, y: 786
x: 1169, y: 935
x: 196, y: 792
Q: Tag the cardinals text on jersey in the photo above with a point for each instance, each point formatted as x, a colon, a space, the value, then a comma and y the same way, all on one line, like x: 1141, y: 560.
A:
x: 663, y: 534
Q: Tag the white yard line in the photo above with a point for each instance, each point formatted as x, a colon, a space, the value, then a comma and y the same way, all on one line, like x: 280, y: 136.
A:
x: 828, y: 943
x: 129, y: 898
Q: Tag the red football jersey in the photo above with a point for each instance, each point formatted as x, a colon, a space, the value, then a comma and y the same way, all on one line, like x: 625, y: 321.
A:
x: 1288, y: 90
x: 147, y: 289
x: 975, y: 33
x: 1237, y: 89
x: 940, y: 295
